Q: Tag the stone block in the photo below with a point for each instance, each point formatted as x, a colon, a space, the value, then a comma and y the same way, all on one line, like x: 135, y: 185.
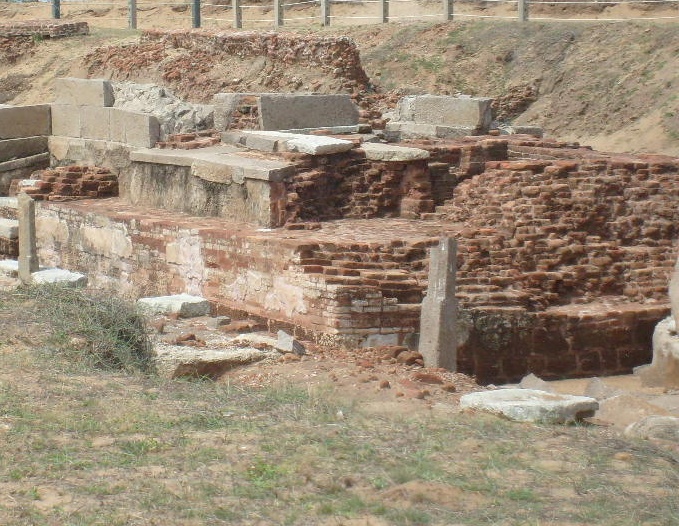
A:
x: 317, y: 145
x: 286, y: 343
x: 295, y: 111
x: 19, y: 148
x: 184, y: 305
x: 52, y: 276
x: 9, y: 228
x: 413, y: 130
x: 388, y: 152
x: 474, y: 112
x: 528, y: 405
x: 236, y: 168
x: 95, y: 123
x: 174, y: 361
x: 140, y: 129
x: 84, y: 92
x: 25, y: 121
x: 65, y: 120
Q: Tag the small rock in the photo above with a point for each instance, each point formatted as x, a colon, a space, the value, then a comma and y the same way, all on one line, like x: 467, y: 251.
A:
x: 218, y: 321
x: 449, y: 387
x: 241, y: 326
x: 427, y: 378
x: 288, y: 344
x: 190, y: 339
x: 390, y: 351
x: 408, y: 357
x: 657, y: 427
x: 384, y: 384
x: 531, y: 381
x: 183, y: 305
x: 289, y: 357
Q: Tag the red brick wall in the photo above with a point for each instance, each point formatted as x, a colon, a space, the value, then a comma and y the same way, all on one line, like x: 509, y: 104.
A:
x: 66, y: 183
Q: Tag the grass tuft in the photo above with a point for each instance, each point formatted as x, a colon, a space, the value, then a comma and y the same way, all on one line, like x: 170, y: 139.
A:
x: 95, y: 329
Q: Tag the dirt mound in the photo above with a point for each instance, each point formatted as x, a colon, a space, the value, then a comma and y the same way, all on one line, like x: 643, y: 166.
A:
x: 198, y: 64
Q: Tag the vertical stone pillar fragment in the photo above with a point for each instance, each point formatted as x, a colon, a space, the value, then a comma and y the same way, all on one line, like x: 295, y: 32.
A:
x: 438, y: 320
x: 28, y: 254
x: 674, y: 294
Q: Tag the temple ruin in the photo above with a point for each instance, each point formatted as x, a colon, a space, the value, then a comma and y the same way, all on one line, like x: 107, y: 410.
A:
x: 292, y: 208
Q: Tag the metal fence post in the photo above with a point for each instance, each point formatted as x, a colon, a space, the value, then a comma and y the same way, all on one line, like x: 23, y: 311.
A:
x: 195, y: 13
x: 448, y: 9
x: 385, y: 10
x: 523, y: 10
x: 132, y: 14
x: 278, y: 15
x: 56, y: 9
x: 325, y: 12
x: 237, y: 14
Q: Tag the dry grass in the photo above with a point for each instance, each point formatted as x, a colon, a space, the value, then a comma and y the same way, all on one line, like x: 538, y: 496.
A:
x: 84, y: 446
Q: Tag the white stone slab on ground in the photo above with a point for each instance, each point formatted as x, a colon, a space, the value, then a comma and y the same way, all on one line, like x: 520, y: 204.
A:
x: 59, y: 276
x: 184, y: 305
x: 9, y: 267
x: 173, y: 361
x: 528, y: 405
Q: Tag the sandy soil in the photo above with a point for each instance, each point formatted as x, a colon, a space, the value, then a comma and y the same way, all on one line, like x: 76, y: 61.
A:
x: 568, y: 77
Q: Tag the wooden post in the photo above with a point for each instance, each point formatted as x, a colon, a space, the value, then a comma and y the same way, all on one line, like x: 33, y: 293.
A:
x: 278, y: 14
x: 325, y: 12
x: 523, y: 10
x: 56, y: 9
x: 384, y: 4
x: 447, y: 9
x: 237, y: 14
x: 132, y: 14
x: 195, y: 13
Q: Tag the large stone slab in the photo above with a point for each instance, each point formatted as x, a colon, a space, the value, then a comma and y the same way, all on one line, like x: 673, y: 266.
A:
x: 664, y: 368
x: 294, y: 111
x: 174, y: 361
x: 25, y: 121
x: 57, y: 276
x: 474, y: 112
x: 184, y: 305
x: 274, y: 141
x: 413, y: 130
x: 528, y: 405
x: 83, y: 92
x: 388, y: 152
x: 23, y: 147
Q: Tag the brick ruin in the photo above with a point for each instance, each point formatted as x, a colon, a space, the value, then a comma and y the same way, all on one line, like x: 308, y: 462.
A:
x: 564, y: 253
